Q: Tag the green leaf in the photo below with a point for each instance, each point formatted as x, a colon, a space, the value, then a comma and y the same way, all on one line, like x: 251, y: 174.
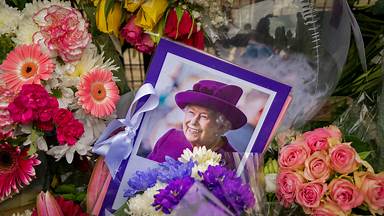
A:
x: 179, y: 14
x: 104, y: 42
x: 120, y: 211
x: 364, y: 155
x: 108, y: 7
x: 6, y: 46
x: 66, y: 189
x: 69, y: 196
x: 32, y: 149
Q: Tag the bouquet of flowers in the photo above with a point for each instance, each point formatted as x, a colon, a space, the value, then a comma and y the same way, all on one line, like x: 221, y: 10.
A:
x: 159, y: 190
x: 180, y: 20
x: 57, y: 89
x: 326, y: 176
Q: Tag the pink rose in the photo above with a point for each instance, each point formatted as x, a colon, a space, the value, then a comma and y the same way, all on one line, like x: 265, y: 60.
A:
x: 62, y: 117
x: 310, y: 194
x: 293, y: 156
x: 70, y: 132
x: 344, y: 158
x: 328, y: 208
x: 317, y: 167
x: 131, y: 32
x: 287, y: 184
x: 145, y: 45
x: 372, y: 187
x: 345, y: 194
x: 318, y: 139
x: 63, y: 30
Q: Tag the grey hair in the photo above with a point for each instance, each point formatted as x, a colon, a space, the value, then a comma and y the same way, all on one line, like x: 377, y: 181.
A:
x: 222, y: 121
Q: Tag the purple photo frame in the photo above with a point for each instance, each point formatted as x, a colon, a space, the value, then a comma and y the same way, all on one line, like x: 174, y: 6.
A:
x: 166, y: 46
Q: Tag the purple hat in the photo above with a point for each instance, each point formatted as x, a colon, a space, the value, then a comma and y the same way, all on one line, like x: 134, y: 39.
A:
x: 217, y: 96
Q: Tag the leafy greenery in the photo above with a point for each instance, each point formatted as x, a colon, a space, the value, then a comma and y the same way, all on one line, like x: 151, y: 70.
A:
x: 6, y: 45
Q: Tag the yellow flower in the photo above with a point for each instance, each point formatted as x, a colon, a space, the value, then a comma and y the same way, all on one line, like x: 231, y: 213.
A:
x: 150, y: 13
x: 112, y: 23
x: 132, y: 5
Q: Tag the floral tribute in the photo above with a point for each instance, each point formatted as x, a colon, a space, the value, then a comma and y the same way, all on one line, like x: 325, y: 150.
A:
x: 149, y: 20
x: 326, y: 176
x: 159, y: 190
x: 57, y: 90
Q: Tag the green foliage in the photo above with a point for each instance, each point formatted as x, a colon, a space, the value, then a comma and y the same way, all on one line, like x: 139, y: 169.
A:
x: 120, y: 211
x: 19, y: 4
x: 105, y: 44
x: 6, y: 46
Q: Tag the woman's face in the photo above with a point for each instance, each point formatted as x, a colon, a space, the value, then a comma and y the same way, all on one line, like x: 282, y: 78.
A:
x: 200, y: 126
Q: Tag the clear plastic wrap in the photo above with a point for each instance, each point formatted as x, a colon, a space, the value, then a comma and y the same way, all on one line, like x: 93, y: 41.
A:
x: 298, y: 42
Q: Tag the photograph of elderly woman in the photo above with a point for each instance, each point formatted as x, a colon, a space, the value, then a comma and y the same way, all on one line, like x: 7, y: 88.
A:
x: 200, y: 106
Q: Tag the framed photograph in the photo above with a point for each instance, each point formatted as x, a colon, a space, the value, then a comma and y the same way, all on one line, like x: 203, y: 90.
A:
x: 204, y: 101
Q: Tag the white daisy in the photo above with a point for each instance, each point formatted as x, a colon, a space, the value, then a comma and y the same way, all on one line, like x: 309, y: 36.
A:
x: 10, y: 18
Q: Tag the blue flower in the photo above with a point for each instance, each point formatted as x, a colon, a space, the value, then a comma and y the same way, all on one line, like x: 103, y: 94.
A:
x: 141, y: 181
x: 171, y: 195
x: 228, y: 188
x: 172, y: 169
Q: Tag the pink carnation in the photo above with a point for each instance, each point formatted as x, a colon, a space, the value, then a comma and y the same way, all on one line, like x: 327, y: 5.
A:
x: 317, y: 139
x: 70, y: 132
x: 6, y: 122
x: 32, y: 104
x: 63, y: 30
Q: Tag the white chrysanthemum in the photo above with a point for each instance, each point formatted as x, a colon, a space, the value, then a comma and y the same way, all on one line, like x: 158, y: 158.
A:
x: 10, y: 18
x: 32, y: 8
x: 27, y: 212
x: 141, y: 204
x: 93, y: 127
x: 202, y: 158
x: 27, y: 28
x: 91, y: 59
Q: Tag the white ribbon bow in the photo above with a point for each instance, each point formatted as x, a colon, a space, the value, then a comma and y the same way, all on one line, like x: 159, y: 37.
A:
x: 118, y: 147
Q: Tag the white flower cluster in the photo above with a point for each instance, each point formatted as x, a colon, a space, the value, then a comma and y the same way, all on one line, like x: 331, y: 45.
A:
x: 141, y: 204
x: 213, y: 10
x: 202, y: 158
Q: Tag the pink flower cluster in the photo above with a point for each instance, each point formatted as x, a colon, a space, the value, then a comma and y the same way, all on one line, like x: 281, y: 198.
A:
x: 319, y: 172
x: 134, y: 35
x: 68, y: 129
x: 6, y: 122
x: 63, y: 30
x: 34, y: 105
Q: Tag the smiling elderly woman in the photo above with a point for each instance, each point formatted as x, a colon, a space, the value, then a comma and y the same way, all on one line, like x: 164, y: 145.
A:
x: 209, y: 112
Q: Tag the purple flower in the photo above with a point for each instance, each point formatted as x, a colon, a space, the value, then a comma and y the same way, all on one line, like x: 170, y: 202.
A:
x: 228, y: 188
x: 172, y: 169
x: 141, y: 181
x: 171, y: 195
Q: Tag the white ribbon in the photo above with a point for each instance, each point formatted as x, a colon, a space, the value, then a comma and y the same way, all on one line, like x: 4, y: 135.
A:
x: 118, y: 147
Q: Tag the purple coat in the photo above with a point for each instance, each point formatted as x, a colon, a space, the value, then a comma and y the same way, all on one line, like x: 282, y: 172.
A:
x: 174, y: 142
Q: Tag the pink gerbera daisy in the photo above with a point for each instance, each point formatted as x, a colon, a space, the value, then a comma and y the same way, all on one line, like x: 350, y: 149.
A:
x: 98, y: 93
x: 16, y: 169
x: 26, y: 64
